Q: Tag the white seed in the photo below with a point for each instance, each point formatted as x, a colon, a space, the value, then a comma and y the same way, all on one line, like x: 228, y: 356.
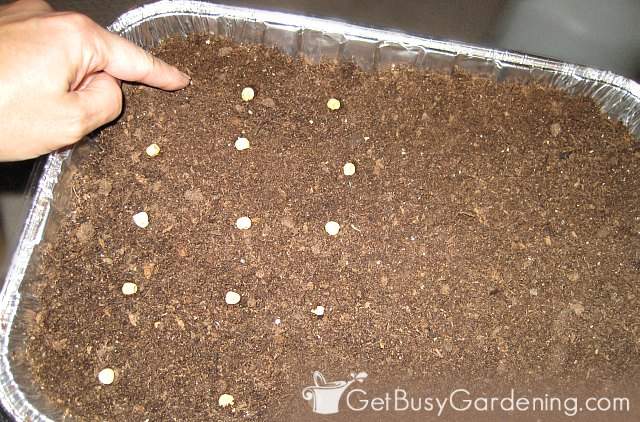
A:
x: 152, y: 150
x: 141, y: 219
x: 247, y: 94
x: 232, y: 298
x: 277, y: 321
x: 129, y: 288
x: 225, y: 400
x: 349, y: 169
x: 106, y: 376
x: 332, y: 228
x: 243, y: 223
x: 333, y: 104
x: 318, y: 310
x: 242, y: 144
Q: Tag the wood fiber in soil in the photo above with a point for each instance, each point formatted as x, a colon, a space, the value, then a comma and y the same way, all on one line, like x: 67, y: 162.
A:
x: 491, y: 232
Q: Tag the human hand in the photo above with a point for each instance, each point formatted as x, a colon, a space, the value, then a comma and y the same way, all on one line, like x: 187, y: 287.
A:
x: 60, y: 77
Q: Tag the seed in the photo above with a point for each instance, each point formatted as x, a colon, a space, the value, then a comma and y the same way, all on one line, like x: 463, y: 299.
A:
x: 129, y: 288
x: 232, y: 298
x: 153, y: 150
x: 577, y: 308
x: 349, y: 169
x: 333, y: 104
x: 247, y: 94
x: 106, y: 376
x: 318, y: 310
x: 141, y: 219
x: 243, y: 223
x: 225, y: 400
x: 332, y: 228
x: 242, y: 144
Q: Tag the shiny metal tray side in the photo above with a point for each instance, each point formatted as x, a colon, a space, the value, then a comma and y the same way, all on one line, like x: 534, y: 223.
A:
x: 315, y: 39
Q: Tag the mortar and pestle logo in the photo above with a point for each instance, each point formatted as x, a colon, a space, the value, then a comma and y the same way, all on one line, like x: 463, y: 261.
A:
x: 325, y: 396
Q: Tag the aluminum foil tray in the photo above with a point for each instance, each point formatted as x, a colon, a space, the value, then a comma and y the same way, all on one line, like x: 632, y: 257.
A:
x: 315, y: 39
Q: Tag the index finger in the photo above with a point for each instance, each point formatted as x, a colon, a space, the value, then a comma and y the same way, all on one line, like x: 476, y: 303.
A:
x: 126, y: 61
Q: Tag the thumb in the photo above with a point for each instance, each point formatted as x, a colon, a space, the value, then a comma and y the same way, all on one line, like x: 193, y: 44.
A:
x: 97, y: 102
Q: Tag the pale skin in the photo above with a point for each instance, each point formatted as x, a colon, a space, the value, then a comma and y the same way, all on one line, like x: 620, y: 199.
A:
x: 60, y: 77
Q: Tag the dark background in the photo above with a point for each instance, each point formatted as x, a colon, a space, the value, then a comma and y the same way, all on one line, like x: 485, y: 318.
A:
x: 598, y: 33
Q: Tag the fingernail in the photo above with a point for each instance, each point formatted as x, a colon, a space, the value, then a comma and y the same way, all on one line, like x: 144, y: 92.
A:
x: 186, y: 77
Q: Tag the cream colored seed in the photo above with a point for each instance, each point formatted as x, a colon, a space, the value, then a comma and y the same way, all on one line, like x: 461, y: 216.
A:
x: 243, y: 223
x: 106, y: 376
x: 247, y: 94
x: 232, y: 298
x: 318, y: 310
x: 333, y: 104
x: 225, y: 400
x: 242, y: 144
x: 349, y: 169
x: 153, y: 150
x: 332, y: 228
x: 129, y: 288
x: 141, y: 219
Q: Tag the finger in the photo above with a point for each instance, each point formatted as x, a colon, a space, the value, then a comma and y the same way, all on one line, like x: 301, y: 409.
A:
x: 97, y: 103
x: 129, y: 62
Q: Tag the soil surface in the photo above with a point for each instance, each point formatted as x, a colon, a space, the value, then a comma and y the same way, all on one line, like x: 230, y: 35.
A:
x: 490, y: 234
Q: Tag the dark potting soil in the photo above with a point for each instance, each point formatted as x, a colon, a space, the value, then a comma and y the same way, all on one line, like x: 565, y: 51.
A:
x: 490, y: 232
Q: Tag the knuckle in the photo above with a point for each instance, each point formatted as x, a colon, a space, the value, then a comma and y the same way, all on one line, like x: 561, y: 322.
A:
x: 41, y: 4
x: 77, y: 21
x: 78, y: 123
x: 68, y: 23
x: 149, y: 63
x: 30, y: 5
x: 118, y: 106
